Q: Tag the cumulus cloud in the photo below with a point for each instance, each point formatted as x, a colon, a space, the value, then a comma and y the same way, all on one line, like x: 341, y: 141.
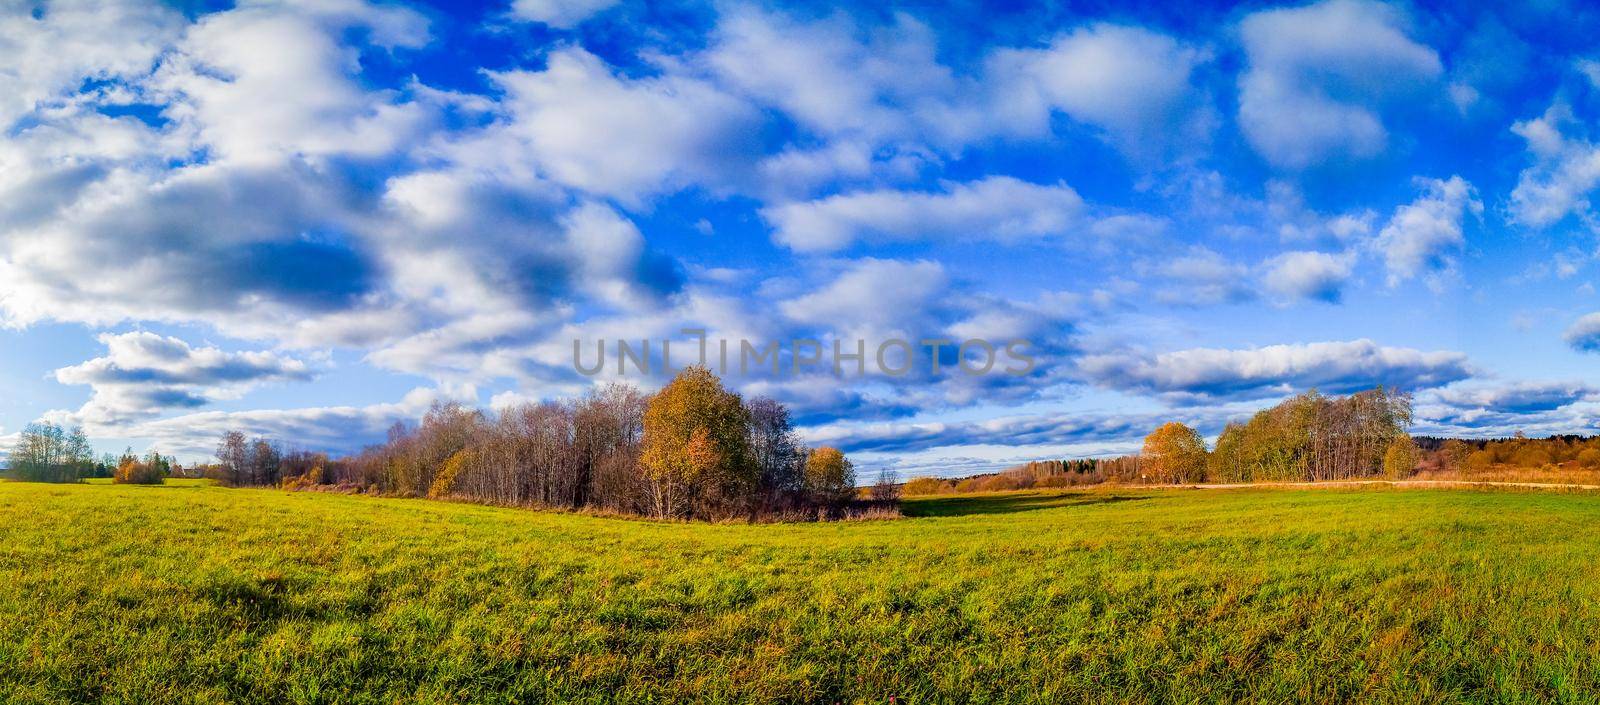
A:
x: 53, y: 48
x: 266, y: 201
x: 230, y: 209
x: 998, y: 208
x: 1565, y: 169
x: 1199, y: 277
x: 1309, y: 275
x: 1423, y: 236
x: 1319, y: 75
x: 1584, y: 334
x: 1276, y: 370
x: 885, y: 105
x: 561, y: 14
x: 1537, y: 408
x: 845, y: 82
x: 612, y: 135
x: 265, y: 81
x: 144, y: 374
x: 876, y: 298
x: 1134, y: 84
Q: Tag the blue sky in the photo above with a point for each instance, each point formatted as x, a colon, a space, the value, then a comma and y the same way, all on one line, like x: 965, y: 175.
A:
x: 310, y: 219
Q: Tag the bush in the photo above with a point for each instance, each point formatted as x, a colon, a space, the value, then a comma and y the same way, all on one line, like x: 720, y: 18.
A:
x: 311, y: 478
x: 1479, y: 460
x: 999, y: 483
x: 925, y: 486
x: 134, y: 472
x: 1533, y: 458
x: 1589, y: 458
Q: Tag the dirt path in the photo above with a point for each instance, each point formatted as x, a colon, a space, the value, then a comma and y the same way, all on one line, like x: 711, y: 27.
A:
x: 1392, y: 483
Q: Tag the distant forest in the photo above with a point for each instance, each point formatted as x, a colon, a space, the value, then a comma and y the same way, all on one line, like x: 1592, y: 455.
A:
x: 1307, y: 438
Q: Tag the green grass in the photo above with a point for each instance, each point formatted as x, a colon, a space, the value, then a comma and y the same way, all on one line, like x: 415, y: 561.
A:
x: 204, y: 594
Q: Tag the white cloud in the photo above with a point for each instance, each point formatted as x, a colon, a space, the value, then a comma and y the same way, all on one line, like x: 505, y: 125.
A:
x: 837, y: 80
x: 611, y: 135
x: 1132, y: 83
x: 1275, y: 370
x: 143, y: 374
x: 875, y: 298
x: 1515, y: 397
x: 48, y: 56
x: 1584, y: 334
x: 1309, y: 275
x: 1318, y: 76
x: 228, y: 210
x: 997, y: 208
x: 334, y: 429
x: 561, y: 14
x: 1564, y: 172
x: 266, y: 81
x: 1423, y: 236
x: 1199, y: 277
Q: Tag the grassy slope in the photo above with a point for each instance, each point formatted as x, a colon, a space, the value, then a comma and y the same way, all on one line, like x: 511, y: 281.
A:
x: 146, y: 594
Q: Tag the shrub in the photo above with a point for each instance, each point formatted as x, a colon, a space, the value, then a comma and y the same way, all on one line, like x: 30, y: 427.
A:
x: 1532, y: 458
x: 1589, y: 458
x: 311, y: 478
x: 134, y: 472
x: 1479, y: 460
x: 999, y: 483
x: 925, y: 486
x: 967, y: 485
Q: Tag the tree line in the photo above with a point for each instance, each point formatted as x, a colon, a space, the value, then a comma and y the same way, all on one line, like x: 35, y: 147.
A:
x: 1519, y: 451
x: 1309, y: 437
x: 48, y: 452
x: 693, y: 450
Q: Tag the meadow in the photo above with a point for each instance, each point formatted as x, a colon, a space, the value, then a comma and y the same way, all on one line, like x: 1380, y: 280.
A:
x: 193, y: 593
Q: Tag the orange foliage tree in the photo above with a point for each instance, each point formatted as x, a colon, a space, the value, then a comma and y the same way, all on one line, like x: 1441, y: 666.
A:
x: 1174, y: 453
x: 696, y: 454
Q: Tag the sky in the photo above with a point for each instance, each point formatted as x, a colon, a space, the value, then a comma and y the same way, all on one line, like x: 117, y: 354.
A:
x: 310, y: 219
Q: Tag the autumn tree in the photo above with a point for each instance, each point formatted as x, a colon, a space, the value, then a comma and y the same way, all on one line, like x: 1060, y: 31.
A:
x: 1400, y: 459
x: 1174, y: 453
x: 830, y: 476
x: 696, y: 453
x: 133, y: 471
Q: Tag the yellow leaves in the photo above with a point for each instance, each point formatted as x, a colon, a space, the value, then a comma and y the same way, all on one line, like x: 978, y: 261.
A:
x: 1174, y: 453
x: 829, y: 474
x: 1400, y: 459
x: 695, y: 434
x: 703, y: 455
x: 445, y: 481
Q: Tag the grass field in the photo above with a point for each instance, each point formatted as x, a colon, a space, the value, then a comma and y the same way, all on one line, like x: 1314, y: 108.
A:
x: 201, y: 594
